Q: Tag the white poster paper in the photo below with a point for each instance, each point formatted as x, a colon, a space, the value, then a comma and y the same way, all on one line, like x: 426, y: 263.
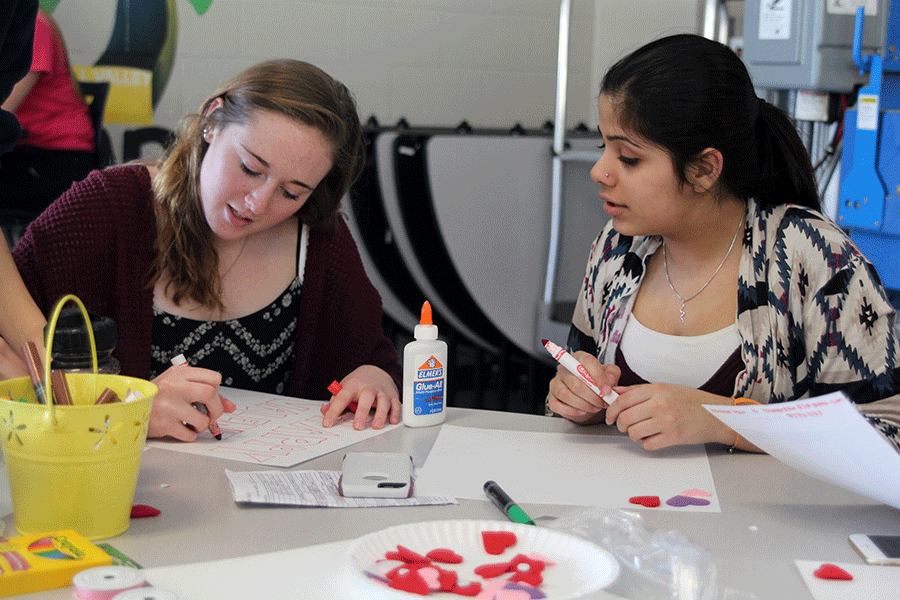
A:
x: 825, y: 437
x: 571, y: 469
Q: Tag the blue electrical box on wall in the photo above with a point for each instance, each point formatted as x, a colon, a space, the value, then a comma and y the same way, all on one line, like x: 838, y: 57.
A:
x: 869, y: 197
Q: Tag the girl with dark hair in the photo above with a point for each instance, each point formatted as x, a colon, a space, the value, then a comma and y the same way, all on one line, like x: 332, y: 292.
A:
x: 717, y: 279
x: 231, y: 251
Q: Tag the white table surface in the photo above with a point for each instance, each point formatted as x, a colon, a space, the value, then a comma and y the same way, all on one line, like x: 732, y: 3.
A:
x: 771, y: 514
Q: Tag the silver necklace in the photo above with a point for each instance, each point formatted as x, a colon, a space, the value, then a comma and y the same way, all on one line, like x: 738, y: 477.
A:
x: 708, y: 281
x: 236, y: 258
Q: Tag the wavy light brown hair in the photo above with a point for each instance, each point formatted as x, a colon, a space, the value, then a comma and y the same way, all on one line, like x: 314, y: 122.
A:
x: 304, y: 93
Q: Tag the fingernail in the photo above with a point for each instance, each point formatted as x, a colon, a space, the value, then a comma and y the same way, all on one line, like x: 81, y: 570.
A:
x: 358, y: 425
x: 327, y: 423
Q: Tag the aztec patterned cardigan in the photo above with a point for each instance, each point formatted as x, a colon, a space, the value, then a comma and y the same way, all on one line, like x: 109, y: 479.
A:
x: 812, y: 315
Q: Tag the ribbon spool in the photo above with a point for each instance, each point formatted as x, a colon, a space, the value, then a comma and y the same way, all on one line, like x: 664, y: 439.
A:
x: 146, y: 593
x: 104, y: 583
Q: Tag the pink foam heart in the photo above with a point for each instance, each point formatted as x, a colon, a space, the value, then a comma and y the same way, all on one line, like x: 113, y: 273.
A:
x: 695, y: 493
x: 431, y: 577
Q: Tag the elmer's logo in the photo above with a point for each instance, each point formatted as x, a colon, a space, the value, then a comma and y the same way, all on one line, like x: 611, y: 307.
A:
x: 431, y: 369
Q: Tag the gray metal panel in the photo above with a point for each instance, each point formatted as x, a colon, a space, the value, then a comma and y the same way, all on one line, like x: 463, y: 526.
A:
x: 389, y: 301
x: 492, y: 200
x: 818, y: 53
x: 384, y: 149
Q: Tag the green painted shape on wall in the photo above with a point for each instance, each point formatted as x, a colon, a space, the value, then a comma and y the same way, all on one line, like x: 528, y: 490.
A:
x: 199, y: 5
x: 48, y: 6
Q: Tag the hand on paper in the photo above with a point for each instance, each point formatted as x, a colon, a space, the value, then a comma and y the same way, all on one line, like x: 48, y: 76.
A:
x: 660, y: 415
x: 371, y: 387
x: 571, y: 398
x: 179, y: 387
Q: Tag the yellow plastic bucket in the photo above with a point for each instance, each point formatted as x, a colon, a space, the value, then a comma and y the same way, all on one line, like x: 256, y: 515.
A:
x: 74, y: 467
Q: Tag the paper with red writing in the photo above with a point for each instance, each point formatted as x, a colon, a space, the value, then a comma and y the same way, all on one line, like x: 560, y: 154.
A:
x: 825, y: 437
x: 276, y: 431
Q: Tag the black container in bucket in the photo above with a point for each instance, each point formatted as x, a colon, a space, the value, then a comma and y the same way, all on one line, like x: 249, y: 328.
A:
x: 72, y: 346
x: 74, y: 467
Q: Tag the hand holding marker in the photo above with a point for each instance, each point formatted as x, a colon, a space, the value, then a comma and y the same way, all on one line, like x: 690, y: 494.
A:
x: 576, y: 368
x: 213, y: 428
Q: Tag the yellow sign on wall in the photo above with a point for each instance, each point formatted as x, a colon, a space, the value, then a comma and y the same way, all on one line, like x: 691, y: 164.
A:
x: 130, y: 93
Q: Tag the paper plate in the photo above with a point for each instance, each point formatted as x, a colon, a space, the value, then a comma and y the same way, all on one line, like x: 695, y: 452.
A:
x: 580, y: 568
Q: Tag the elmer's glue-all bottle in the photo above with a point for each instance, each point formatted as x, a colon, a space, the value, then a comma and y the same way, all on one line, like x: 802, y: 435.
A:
x: 425, y: 375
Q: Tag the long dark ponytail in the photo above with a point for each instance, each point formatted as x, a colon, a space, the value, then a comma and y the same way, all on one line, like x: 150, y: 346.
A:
x: 687, y: 93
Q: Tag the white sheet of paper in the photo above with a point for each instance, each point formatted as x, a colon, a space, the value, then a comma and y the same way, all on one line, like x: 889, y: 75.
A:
x: 869, y: 581
x: 825, y: 437
x: 310, y: 488
x: 572, y: 469
x: 276, y: 431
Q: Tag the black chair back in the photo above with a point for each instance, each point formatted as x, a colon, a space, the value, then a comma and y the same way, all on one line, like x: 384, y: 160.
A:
x: 95, y: 94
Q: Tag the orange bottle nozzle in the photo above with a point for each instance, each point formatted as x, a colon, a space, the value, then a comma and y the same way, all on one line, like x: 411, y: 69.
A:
x: 426, y: 314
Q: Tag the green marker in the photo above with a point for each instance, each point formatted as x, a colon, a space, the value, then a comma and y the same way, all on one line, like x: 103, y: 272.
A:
x: 506, y: 504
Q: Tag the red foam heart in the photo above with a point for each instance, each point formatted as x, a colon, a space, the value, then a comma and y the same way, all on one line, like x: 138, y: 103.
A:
x: 830, y: 571
x: 530, y: 577
x: 142, y: 510
x: 472, y: 589
x: 445, y: 555
x: 447, y: 579
x: 523, y: 563
x: 648, y: 501
x: 408, y: 556
x: 409, y: 580
x: 495, y: 542
x: 492, y: 570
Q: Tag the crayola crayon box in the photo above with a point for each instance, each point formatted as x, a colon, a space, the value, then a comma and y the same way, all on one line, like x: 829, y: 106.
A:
x: 31, y: 563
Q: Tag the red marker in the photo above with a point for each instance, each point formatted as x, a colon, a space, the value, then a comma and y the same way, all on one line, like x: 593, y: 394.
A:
x: 335, y: 388
x: 576, y: 368
x: 213, y: 427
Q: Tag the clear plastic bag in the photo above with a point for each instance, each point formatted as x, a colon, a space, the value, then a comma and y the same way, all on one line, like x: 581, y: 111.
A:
x: 655, y: 565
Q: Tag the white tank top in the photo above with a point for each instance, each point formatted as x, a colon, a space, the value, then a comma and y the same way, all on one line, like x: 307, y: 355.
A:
x: 682, y: 360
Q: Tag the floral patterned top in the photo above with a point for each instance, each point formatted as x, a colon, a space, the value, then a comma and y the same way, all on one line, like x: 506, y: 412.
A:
x: 812, y: 315
x: 254, y: 352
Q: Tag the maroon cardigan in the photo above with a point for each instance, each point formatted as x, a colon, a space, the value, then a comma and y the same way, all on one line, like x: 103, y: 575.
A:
x: 96, y: 241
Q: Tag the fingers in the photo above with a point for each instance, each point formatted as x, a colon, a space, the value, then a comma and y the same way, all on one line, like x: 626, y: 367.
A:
x: 180, y: 387
x: 573, y: 397
x: 369, y: 388
x: 228, y: 405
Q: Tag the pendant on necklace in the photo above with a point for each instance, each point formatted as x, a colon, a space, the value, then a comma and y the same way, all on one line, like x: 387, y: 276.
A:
x: 681, y: 312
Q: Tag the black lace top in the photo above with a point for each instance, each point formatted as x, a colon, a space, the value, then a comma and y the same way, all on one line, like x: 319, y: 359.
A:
x: 254, y: 352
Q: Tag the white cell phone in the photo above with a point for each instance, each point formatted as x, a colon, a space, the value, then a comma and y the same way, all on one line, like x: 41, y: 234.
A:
x: 877, y: 549
x: 376, y: 475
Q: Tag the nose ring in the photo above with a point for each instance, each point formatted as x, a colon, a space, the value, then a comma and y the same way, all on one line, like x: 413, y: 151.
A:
x: 607, y: 174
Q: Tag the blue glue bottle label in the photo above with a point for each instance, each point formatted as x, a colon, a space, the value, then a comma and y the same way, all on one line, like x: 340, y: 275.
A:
x: 428, y: 388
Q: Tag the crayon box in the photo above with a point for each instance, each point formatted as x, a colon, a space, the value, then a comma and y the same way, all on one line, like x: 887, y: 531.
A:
x: 31, y: 563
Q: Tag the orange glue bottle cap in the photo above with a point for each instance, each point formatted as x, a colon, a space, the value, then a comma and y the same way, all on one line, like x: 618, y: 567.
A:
x: 426, y: 329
